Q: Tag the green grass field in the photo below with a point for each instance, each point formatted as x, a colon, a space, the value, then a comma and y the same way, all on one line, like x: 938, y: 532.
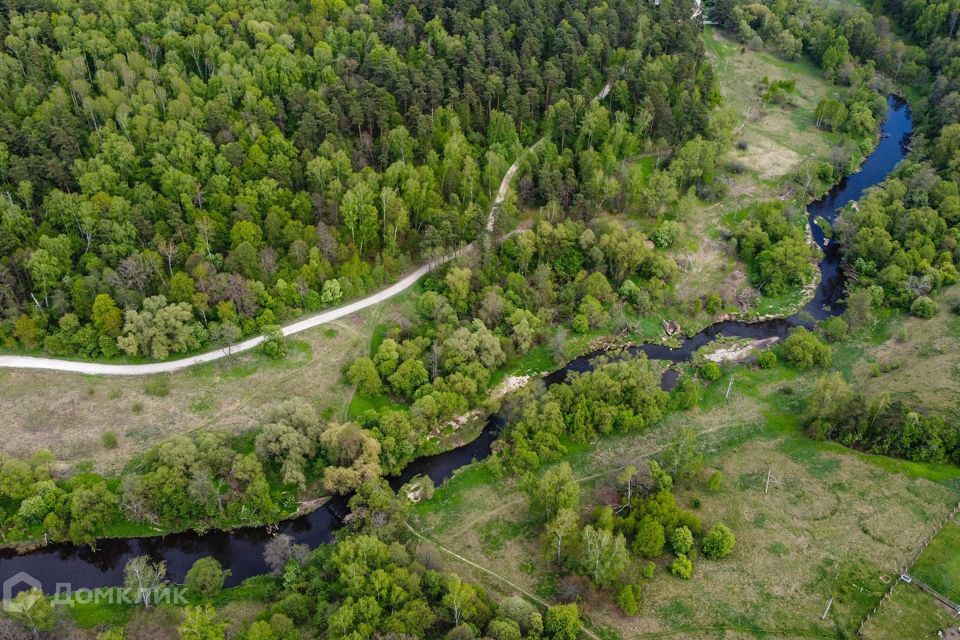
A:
x: 939, y: 565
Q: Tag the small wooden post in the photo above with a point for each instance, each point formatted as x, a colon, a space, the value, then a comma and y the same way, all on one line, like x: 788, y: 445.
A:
x: 827, y: 610
x: 729, y: 386
x: 767, y: 488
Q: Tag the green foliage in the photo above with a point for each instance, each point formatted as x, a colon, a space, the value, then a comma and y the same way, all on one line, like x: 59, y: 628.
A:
x: 31, y: 610
x: 616, y: 397
x: 552, y: 491
x: 157, y: 386
x: 803, y: 350
x: 247, y: 194
x: 894, y: 241
x: 629, y: 599
x: 201, y: 623
x: 580, y: 323
x: 274, y: 345
x: 686, y: 394
x: 523, y: 613
x: 710, y: 371
x: 681, y: 541
x: 92, y: 508
x: 649, y: 538
x: 767, y: 359
x: 835, y: 329
x: 500, y: 629
x: 160, y: 329
x: 682, y: 567
x: 562, y: 622
x: 888, y: 426
x: 681, y: 458
x: 777, y: 91
x: 363, y: 373
x: 109, y: 440
x: 859, y: 312
x: 205, y: 578
x: 715, y: 482
x: 719, y: 541
x: 604, y: 555
x: 774, y: 247
x: 649, y: 568
x: 923, y: 307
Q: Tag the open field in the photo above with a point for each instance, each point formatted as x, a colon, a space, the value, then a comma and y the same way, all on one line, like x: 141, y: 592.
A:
x: 834, y: 523
x: 69, y: 414
x: 916, y: 359
x: 939, y: 565
x: 777, y: 138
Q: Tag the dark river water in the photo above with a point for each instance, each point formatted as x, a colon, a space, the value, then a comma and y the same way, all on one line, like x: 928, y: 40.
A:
x: 242, y: 550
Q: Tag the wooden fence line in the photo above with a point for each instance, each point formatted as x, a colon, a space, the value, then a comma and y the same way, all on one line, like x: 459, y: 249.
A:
x: 904, y: 572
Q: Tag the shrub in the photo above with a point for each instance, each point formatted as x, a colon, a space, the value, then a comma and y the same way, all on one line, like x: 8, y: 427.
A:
x: 767, y: 359
x: 710, y: 370
x: 562, y: 622
x: 109, y: 439
x: 682, y: 567
x: 363, y: 373
x: 924, y: 307
x: 804, y: 350
x: 629, y: 600
x: 715, y: 483
x: 205, y: 578
x: 275, y: 345
x: 686, y: 394
x: 649, y: 538
x: 648, y: 570
x: 718, y: 542
x: 501, y: 629
x: 714, y: 304
x: 681, y: 541
x: 666, y: 234
x: 835, y: 329
x: 580, y: 323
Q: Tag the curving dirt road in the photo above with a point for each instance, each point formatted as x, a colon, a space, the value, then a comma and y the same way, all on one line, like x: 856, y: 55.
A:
x: 167, y: 366
x: 71, y: 366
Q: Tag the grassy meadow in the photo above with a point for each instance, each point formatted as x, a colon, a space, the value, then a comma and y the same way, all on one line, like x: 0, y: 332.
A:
x: 77, y: 417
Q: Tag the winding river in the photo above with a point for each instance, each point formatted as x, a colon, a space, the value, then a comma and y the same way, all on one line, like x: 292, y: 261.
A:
x: 242, y: 550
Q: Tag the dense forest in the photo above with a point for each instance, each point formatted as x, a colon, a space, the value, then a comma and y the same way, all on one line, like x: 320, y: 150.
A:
x: 174, y: 175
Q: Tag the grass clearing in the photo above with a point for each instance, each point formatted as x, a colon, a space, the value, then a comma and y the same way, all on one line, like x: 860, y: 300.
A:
x: 775, y: 141
x: 777, y: 138
x: 918, y: 359
x: 68, y: 414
